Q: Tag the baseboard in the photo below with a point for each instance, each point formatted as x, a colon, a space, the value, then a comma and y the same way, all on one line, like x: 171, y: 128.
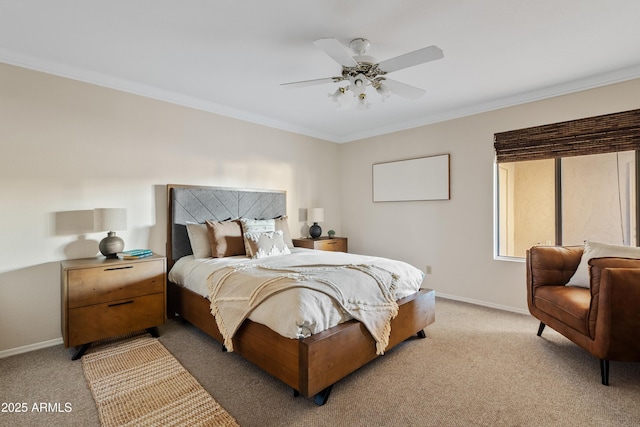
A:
x: 30, y: 347
x: 56, y: 341
x: 483, y: 303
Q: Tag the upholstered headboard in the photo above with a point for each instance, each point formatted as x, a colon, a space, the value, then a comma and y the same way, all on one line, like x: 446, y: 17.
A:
x: 198, y: 204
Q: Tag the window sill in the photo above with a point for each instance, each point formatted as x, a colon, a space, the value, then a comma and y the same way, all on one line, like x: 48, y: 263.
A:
x: 509, y: 258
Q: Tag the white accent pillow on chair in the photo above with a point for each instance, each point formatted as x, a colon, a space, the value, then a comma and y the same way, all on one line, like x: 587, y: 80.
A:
x: 599, y: 250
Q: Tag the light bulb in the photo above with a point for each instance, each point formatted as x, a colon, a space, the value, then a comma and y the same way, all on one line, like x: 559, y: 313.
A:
x: 359, y: 84
x: 363, y: 104
x: 384, y: 91
x: 346, y: 99
x: 335, y: 97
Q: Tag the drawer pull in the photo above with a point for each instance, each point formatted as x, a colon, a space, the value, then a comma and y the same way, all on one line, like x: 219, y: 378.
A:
x: 120, y: 303
x: 118, y: 268
x: 331, y: 243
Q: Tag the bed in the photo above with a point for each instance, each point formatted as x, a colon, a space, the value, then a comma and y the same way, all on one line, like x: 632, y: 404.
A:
x: 310, y: 363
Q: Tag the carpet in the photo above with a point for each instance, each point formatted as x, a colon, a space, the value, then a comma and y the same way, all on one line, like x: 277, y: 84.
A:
x: 135, y: 381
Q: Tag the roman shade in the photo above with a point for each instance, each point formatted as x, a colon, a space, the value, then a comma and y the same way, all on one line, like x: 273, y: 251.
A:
x: 593, y: 135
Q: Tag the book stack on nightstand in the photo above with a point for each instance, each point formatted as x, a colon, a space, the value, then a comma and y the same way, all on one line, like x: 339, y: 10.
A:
x: 135, y: 254
x: 335, y: 244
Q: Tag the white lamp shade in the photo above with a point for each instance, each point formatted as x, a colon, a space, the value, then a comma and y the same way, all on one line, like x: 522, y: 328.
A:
x: 316, y: 214
x: 109, y: 219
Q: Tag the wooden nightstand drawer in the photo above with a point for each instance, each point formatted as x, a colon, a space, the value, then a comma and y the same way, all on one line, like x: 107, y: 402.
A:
x: 115, y: 282
x: 95, y: 322
x: 335, y: 244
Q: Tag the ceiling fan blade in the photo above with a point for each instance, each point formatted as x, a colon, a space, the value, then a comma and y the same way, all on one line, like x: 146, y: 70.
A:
x: 404, y: 90
x: 313, y: 82
x: 335, y: 50
x: 410, y: 59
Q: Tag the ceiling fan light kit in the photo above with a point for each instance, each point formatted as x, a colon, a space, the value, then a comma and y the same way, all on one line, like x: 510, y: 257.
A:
x: 362, y: 71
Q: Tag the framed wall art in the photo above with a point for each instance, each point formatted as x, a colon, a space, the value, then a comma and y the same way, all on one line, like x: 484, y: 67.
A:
x: 422, y: 178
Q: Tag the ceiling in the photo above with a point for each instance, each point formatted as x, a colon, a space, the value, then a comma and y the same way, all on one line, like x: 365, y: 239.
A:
x: 230, y: 57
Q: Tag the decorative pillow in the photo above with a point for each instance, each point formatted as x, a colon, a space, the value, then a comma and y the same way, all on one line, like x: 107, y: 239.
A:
x: 599, y: 250
x: 199, y: 239
x: 256, y: 226
x: 225, y: 238
x: 266, y: 244
x: 282, y: 223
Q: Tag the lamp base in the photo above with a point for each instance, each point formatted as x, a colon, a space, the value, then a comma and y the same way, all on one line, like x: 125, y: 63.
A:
x: 111, y: 245
x: 315, y: 231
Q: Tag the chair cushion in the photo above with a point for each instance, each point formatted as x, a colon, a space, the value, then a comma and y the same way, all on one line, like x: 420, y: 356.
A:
x: 568, y: 304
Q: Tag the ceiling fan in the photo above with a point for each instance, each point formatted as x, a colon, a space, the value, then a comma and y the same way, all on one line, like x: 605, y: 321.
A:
x: 361, y: 71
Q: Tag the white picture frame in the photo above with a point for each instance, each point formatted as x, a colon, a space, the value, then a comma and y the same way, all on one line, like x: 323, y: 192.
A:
x: 421, y: 178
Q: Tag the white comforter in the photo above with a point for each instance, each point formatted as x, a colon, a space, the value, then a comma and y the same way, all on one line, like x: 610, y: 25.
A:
x: 298, y: 312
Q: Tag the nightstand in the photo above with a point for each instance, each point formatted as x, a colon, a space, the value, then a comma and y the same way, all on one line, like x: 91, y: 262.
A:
x: 102, y: 298
x: 335, y: 244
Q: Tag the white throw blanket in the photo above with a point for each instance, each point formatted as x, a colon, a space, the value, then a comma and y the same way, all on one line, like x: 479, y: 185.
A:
x: 366, y: 292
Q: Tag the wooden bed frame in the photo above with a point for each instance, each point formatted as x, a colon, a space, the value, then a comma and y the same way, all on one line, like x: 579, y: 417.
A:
x: 309, y: 365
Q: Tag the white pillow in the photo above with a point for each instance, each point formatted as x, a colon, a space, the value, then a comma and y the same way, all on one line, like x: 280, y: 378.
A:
x: 255, y: 226
x: 263, y: 245
x: 199, y: 239
x: 283, y: 224
x: 599, y: 250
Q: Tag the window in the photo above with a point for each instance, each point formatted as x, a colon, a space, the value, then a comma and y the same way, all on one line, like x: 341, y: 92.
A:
x: 598, y: 201
x: 527, y: 206
x: 568, y: 182
x: 591, y: 198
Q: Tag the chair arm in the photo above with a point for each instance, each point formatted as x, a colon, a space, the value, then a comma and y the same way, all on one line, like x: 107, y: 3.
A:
x: 597, y: 265
x: 552, y: 265
x: 619, y: 312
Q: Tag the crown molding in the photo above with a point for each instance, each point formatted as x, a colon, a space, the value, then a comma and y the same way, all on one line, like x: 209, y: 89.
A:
x: 99, y: 79
x: 123, y: 85
x: 592, y: 82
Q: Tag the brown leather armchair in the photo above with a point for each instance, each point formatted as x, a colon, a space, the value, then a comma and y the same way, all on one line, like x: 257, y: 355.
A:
x: 604, y: 319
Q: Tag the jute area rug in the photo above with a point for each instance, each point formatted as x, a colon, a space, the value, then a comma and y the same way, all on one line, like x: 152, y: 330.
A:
x: 137, y: 382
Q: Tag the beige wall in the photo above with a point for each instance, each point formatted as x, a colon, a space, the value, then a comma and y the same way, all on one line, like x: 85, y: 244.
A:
x: 456, y: 237
x: 69, y: 146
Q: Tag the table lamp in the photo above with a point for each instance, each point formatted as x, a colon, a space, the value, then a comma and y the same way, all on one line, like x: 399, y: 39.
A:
x: 316, y: 215
x: 110, y: 220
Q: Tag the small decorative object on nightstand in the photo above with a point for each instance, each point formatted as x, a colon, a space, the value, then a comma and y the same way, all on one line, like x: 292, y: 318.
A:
x: 316, y: 215
x: 331, y: 234
x: 110, y: 220
x: 335, y: 244
x: 103, y: 298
